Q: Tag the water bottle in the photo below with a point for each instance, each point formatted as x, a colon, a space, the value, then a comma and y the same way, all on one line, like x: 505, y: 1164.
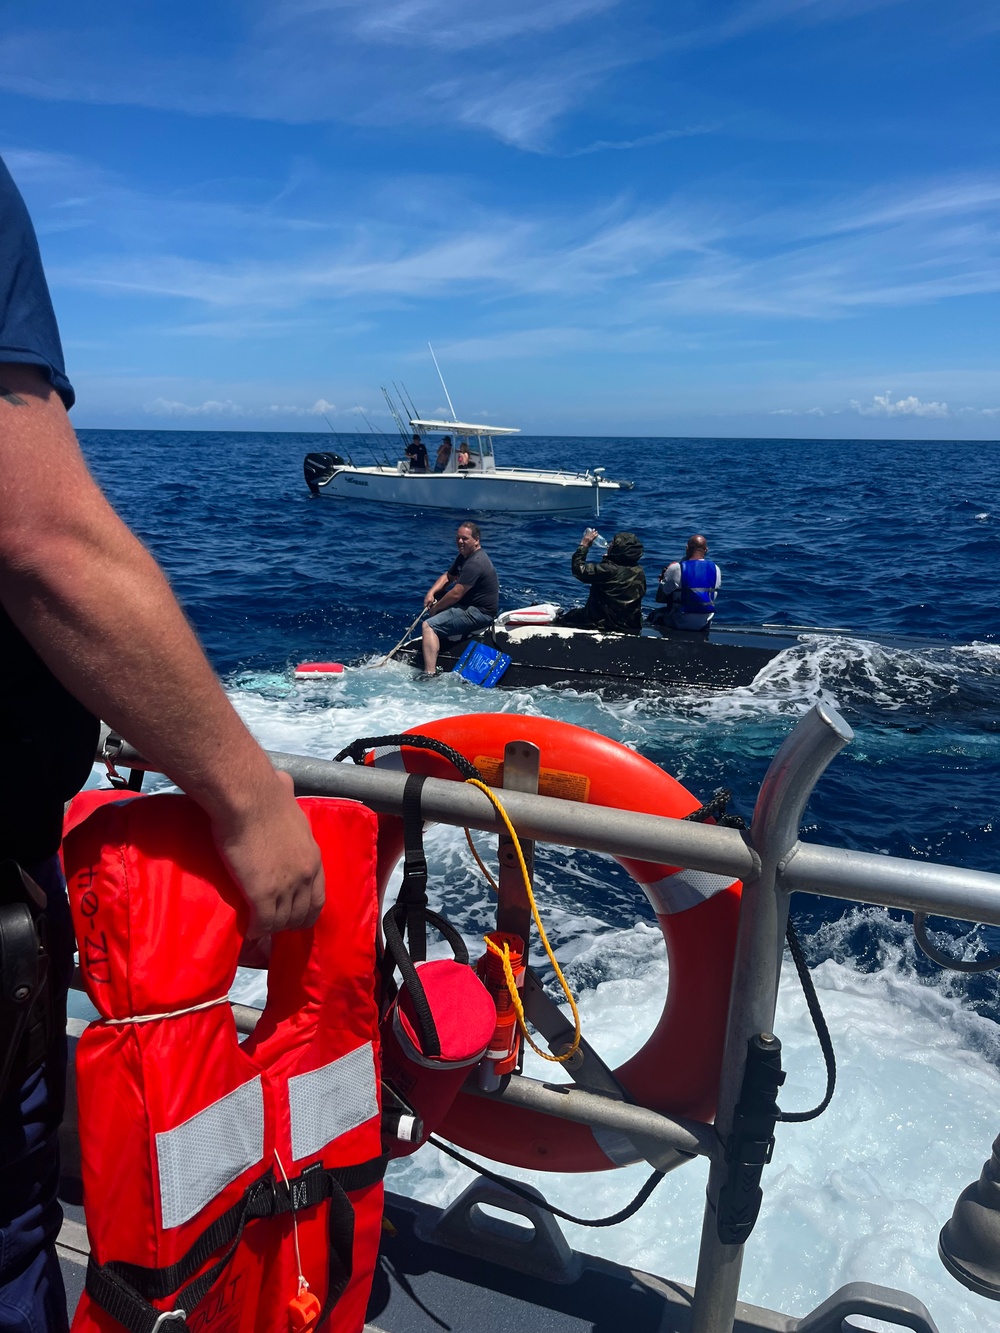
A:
x: 599, y: 544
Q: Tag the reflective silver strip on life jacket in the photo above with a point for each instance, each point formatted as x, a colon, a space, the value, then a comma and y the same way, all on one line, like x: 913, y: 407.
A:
x: 331, y: 1100
x: 684, y: 889
x: 199, y: 1158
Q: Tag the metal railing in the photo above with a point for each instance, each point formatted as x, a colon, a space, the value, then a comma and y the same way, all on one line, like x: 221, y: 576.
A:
x: 772, y: 863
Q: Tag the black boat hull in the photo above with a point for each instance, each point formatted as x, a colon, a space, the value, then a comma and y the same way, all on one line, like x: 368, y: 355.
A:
x: 721, y: 658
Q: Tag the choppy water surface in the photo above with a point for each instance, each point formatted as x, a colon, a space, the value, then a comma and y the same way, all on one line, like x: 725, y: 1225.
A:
x: 897, y: 538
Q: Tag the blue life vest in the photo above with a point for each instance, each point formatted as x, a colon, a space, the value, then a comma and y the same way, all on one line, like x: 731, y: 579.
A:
x: 698, y: 580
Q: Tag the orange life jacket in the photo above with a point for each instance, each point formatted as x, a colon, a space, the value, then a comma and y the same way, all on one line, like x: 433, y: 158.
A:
x: 204, y: 1160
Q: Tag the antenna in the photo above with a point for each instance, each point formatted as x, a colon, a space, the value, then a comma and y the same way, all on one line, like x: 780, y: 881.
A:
x: 454, y: 414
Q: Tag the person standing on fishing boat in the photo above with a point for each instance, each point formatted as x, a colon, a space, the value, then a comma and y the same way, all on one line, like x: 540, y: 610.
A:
x: 617, y: 586
x: 416, y: 452
x: 90, y: 628
x: 443, y: 454
x: 470, y: 603
x: 688, y: 589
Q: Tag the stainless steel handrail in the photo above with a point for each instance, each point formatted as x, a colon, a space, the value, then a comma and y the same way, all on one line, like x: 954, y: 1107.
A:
x: 772, y: 863
x: 924, y: 886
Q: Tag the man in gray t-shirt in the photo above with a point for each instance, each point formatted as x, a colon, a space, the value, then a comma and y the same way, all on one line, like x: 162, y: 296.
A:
x: 470, y: 603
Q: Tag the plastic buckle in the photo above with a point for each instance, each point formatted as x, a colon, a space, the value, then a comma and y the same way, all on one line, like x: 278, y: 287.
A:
x: 169, y: 1314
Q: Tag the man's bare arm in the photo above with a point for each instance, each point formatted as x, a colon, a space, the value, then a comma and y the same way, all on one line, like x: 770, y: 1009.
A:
x: 434, y: 589
x: 96, y: 607
x: 451, y: 597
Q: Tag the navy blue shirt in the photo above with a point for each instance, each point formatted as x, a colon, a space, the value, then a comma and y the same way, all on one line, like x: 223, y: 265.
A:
x: 28, y: 330
x: 47, y: 738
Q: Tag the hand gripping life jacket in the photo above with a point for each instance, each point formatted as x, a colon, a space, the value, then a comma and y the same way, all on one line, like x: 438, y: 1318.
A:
x: 208, y: 1165
x: 698, y: 586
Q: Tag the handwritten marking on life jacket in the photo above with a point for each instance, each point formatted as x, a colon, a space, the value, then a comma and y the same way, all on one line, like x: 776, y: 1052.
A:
x: 220, y: 1311
x: 95, y: 959
x: 89, y: 904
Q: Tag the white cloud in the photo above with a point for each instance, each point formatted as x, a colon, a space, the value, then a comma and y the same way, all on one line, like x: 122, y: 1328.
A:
x: 882, y: 405
x: 458, y: 25
x: 167, y: 407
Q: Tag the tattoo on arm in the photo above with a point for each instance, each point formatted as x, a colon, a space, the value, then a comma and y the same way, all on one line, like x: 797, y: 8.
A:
x: 9, y: 396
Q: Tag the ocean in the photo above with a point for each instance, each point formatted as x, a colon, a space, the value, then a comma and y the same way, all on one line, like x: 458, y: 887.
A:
x: 890, y: 537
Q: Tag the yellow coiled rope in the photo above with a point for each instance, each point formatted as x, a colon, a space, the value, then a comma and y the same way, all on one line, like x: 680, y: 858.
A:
x: 504, y: 953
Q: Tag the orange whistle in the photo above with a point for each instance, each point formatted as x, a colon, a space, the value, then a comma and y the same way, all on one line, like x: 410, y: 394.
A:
x: 303, y: 1311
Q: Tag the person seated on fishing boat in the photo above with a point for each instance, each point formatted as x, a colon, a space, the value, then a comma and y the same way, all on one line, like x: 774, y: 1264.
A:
x: 443, y: 454
x: 687, y: 590
x: 464, y: 457
x: 471, y: 601
x: 617, y: 586
x: 416, y: 452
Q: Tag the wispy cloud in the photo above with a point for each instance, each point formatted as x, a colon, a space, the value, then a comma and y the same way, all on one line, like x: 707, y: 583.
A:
x: 642, y: 141
x: 685, y: 257
x: 458, y: 25
x: 227, y: 408
x: 340, y: 60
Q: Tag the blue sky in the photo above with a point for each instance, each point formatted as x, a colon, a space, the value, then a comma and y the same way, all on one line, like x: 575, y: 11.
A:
x: 709, y: 217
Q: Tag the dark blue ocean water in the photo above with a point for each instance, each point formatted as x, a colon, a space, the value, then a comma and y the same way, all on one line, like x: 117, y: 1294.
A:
x: 875, y: 536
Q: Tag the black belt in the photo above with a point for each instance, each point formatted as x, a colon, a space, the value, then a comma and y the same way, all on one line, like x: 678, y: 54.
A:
x: 125, y: 1291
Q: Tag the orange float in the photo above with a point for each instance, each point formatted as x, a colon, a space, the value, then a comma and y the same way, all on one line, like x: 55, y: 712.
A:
x: 677, y: 1070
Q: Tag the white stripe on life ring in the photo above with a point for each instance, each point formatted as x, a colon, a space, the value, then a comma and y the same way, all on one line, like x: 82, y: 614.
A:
x: 684, y: 889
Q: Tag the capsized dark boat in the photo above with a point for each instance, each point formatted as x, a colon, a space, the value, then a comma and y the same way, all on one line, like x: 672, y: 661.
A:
x: 722, y: 657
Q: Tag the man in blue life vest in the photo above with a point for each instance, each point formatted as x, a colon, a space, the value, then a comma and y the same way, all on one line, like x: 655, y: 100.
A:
x: 688, y: 588
x: 89, y: 629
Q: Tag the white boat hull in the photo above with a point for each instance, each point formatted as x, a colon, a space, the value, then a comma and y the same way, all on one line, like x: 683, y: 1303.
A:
x: 505, y: 490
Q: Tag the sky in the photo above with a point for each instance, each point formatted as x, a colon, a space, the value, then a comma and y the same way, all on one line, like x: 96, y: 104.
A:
x: 608, y: 217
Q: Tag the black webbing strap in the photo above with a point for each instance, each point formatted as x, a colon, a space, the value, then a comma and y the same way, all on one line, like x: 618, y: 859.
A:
x: 396, y: 955
x: 410, y: 916
x: 125, y: 1291
x: 413, y: 891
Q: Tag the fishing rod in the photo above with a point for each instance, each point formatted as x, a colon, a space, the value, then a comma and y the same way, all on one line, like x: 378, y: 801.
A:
x: 336, y: 436
x: 375, y: 457
x: 395, y: 415
x: 386, y: 461
x: 402, y: 389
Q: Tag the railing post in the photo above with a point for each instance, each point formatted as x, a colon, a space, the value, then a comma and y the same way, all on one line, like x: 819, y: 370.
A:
x: 783, y: 795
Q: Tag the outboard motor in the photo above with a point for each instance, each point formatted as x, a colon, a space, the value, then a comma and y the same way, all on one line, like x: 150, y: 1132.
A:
x: 319, y: 468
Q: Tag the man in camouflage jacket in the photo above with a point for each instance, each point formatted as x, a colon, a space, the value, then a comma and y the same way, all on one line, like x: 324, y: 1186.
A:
x: 617, y: 586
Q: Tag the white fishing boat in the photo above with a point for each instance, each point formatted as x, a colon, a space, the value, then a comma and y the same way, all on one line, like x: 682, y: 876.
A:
x: 481, y: 485
x: 468, y: 481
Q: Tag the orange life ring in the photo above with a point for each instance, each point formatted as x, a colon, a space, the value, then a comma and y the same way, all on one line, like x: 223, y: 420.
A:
x: 677, y: 1071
